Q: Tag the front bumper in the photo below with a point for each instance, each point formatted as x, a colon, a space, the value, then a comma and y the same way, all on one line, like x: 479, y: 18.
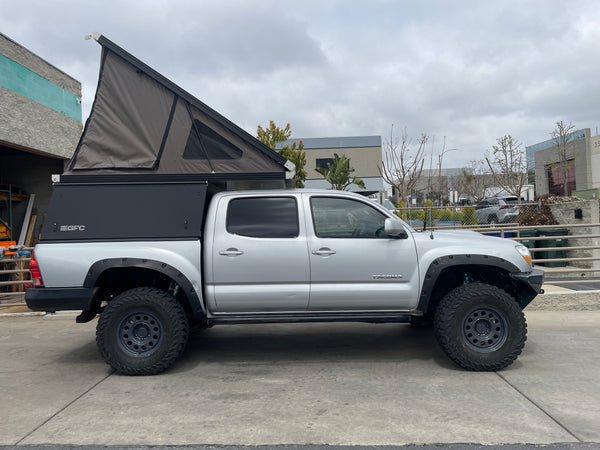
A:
x: 534, y: 281
x: 61, y: 299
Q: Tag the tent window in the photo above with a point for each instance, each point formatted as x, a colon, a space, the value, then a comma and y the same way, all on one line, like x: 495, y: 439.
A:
x: 211, y: 145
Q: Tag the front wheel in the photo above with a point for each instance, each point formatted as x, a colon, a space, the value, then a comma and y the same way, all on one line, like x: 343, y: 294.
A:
x: 480, y: 327
x: 142, y: 331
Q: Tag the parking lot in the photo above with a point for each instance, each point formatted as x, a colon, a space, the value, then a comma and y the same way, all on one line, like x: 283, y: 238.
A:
x: 344, y: 384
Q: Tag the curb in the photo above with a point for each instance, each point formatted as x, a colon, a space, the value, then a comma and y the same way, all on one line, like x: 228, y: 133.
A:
x: 566, y: 301
x: 22, y: 314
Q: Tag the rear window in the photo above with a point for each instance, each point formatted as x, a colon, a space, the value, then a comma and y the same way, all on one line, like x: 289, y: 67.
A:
x: 263, y: 217
x: 511, y: 200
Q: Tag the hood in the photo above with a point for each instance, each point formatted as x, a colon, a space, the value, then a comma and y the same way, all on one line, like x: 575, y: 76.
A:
x: 463, y: 242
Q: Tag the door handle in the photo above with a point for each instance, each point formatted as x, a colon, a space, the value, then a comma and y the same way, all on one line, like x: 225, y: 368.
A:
x: 231, y: 252
x: 324, y: 251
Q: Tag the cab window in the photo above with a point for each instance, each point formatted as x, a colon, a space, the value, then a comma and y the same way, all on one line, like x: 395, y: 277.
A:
x: 346, y: 218
x: 263, y: 217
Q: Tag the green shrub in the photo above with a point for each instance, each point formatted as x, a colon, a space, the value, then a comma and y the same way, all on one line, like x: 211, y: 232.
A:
x: 468, y: 216
x: 445, y: 215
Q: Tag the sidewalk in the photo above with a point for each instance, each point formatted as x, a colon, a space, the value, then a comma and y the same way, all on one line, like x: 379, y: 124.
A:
x: 328, y: 384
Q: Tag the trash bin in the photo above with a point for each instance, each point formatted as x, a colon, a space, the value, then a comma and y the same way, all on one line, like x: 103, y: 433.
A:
x: 552, y: 243
x: 529, y: 243
x: 507, y: 234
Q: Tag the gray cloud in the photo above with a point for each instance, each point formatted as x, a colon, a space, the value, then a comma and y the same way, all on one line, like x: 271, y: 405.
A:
x: 467, y: 70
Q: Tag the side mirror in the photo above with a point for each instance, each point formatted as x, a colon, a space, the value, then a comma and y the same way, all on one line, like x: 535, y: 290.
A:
x: 394, y: 228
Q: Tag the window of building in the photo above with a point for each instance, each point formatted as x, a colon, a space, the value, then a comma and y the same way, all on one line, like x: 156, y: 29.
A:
x: 345, y: 218
x: 323, y: 162
x: 556, y: 179
x: 209, y: 145
x: 263, y: 217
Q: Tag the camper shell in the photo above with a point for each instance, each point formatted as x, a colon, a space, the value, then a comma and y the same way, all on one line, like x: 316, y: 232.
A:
x: 149, y: 157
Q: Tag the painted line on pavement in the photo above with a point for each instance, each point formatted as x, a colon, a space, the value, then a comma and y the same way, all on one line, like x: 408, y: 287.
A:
x: 64, y: 408
x: 530, y: 400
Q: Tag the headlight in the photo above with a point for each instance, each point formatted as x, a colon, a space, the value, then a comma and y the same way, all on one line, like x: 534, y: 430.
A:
x: 524, y: 251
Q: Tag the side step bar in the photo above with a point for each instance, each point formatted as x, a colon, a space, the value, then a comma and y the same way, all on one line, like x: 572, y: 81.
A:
x: 300, y: 318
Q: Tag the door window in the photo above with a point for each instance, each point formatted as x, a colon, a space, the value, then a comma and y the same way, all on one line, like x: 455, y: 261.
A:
x: 263, y: 217
x: 346, y: 218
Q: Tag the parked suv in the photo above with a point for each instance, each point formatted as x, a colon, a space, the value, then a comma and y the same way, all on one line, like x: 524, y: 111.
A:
x: 497, y: 210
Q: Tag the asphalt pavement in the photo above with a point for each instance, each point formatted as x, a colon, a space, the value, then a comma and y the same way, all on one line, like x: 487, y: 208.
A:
x: 294, y: 385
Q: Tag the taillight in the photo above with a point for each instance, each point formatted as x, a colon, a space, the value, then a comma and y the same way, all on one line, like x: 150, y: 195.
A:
x: 504, y: 207
x: 36, y: 275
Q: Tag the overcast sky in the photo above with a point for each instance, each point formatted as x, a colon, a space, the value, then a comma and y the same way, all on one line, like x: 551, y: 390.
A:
x: 469, y: 71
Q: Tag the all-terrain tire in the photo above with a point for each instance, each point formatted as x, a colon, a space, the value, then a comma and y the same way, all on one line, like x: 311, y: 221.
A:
x: 480, y: 327
x: 142, y: 331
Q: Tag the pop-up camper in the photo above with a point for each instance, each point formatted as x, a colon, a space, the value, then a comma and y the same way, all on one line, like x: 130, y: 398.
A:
x: 143, y: 125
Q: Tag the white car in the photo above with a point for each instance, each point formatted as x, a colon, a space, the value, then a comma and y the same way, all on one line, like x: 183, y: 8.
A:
x: 497, y: 210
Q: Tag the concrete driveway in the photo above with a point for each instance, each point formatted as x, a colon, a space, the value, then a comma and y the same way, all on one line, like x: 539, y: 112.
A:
x: 346, y: 384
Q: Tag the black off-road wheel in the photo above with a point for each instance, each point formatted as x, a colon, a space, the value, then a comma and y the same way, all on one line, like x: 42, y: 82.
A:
x: 480, y: 327
x: 142, y: 331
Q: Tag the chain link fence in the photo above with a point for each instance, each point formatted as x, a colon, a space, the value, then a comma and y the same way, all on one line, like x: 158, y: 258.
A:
x: 561, y: 249
x: 471, y: 216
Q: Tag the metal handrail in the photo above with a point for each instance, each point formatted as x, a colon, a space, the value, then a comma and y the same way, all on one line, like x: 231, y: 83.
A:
x: 24, y: 278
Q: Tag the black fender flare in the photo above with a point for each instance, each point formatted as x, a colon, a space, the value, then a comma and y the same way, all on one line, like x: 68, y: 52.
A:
x: 438, y: 265
x: 99, y: 267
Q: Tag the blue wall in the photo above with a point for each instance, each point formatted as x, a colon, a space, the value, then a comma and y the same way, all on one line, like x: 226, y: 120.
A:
x: 21, y: 80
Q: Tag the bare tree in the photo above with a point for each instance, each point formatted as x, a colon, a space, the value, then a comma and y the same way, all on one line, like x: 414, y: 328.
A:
x: 508, y: 165
x: 443, y: 184
x: 473, y: 180
x: 402, y: 166
x: 562, y: 135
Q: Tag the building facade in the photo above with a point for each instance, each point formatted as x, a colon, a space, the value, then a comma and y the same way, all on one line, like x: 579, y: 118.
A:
x: 40, y: 125
x: 365, y: 156
x: 582, y: 166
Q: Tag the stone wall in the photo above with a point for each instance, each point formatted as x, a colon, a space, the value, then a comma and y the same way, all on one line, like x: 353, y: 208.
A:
x: 33, y: 94
x: 24, y: 57
x: 28, y: 125
x: 565, y: 214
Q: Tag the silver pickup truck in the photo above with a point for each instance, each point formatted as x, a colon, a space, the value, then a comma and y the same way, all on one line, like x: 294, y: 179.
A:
x: 270, y: 256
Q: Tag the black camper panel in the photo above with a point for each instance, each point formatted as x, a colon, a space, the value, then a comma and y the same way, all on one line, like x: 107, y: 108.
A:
x: 125, y: 211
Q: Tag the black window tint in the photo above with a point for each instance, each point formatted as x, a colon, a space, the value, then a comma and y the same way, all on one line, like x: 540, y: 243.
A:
x: 263, y: 217
x: 209, y: 145
x: 345, y: 218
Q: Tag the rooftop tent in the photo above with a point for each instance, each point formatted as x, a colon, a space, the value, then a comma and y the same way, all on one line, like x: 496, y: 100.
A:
x: 143, y: 124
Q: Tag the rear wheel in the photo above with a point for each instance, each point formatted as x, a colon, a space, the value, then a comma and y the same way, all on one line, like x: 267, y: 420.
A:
x: 142, y: 331
x: 480, y: 327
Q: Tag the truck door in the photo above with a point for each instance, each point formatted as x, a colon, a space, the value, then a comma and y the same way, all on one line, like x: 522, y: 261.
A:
x: 354, y: 265
x: 259, y: 256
